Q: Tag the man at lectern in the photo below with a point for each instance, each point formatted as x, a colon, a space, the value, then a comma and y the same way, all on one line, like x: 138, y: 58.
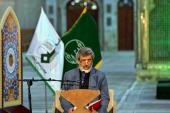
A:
x: 89, y: 77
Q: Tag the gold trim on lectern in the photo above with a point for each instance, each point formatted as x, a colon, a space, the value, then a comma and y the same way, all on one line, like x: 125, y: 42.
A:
x: 80, y: 98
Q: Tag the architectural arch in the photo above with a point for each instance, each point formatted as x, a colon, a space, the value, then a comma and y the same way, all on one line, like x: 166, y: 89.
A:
x: 63, y: 12
x: 125, y: 25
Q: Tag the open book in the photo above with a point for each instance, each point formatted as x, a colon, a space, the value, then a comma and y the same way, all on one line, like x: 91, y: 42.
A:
x: 94, y: 105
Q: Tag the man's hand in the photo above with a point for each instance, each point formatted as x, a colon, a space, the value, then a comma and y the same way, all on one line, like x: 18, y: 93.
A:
x: 94, y: 111
x: 71, y: 110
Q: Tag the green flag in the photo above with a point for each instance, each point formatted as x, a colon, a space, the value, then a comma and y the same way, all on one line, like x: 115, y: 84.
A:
x: 83, y: 33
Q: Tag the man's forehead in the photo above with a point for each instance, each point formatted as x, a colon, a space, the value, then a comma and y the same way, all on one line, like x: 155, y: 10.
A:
x: 85, y: 56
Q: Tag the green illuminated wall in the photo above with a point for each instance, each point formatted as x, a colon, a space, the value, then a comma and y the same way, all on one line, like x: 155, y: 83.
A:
x: 159, y: 32
x: 153, y: 40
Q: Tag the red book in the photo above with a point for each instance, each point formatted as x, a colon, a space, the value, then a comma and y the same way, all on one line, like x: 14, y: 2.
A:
x: 94, y: 105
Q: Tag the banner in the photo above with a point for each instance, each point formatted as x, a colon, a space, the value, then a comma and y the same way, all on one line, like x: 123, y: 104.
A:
x: 83, y: 33
x: 10, y: 60
x: 46, y: 52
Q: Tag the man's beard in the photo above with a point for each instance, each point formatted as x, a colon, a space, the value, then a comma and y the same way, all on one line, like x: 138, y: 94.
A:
x: 85, y: 70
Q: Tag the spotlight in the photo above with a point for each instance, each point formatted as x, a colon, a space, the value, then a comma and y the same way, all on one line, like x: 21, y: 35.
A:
x: 94, y: 7
x: 77, y: 1
x: 73, y: 3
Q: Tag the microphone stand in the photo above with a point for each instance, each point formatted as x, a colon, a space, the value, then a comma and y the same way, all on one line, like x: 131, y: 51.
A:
x: 30, y: 83
x: 46, y: 110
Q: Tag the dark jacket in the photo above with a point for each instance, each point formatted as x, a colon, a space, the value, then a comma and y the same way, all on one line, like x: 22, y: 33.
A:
x: 97, y: 81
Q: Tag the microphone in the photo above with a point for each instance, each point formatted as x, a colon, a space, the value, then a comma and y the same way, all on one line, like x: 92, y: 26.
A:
x: 49, y: 79
x: 69, y: 84
x: 83, y: 77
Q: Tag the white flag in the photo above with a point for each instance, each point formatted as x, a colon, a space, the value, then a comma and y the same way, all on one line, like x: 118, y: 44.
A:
x: 46, y: 52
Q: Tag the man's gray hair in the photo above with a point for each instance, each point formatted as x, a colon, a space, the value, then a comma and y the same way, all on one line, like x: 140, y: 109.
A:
x: 85, y: 51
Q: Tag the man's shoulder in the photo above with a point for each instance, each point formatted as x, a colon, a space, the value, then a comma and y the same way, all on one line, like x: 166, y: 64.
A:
x: 98, y: 72
x: 101, y: 75
x: 72, y: 71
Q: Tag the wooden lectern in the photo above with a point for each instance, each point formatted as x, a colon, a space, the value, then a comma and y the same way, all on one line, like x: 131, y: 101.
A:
x: 57, y: 108
x: 80, y: 98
